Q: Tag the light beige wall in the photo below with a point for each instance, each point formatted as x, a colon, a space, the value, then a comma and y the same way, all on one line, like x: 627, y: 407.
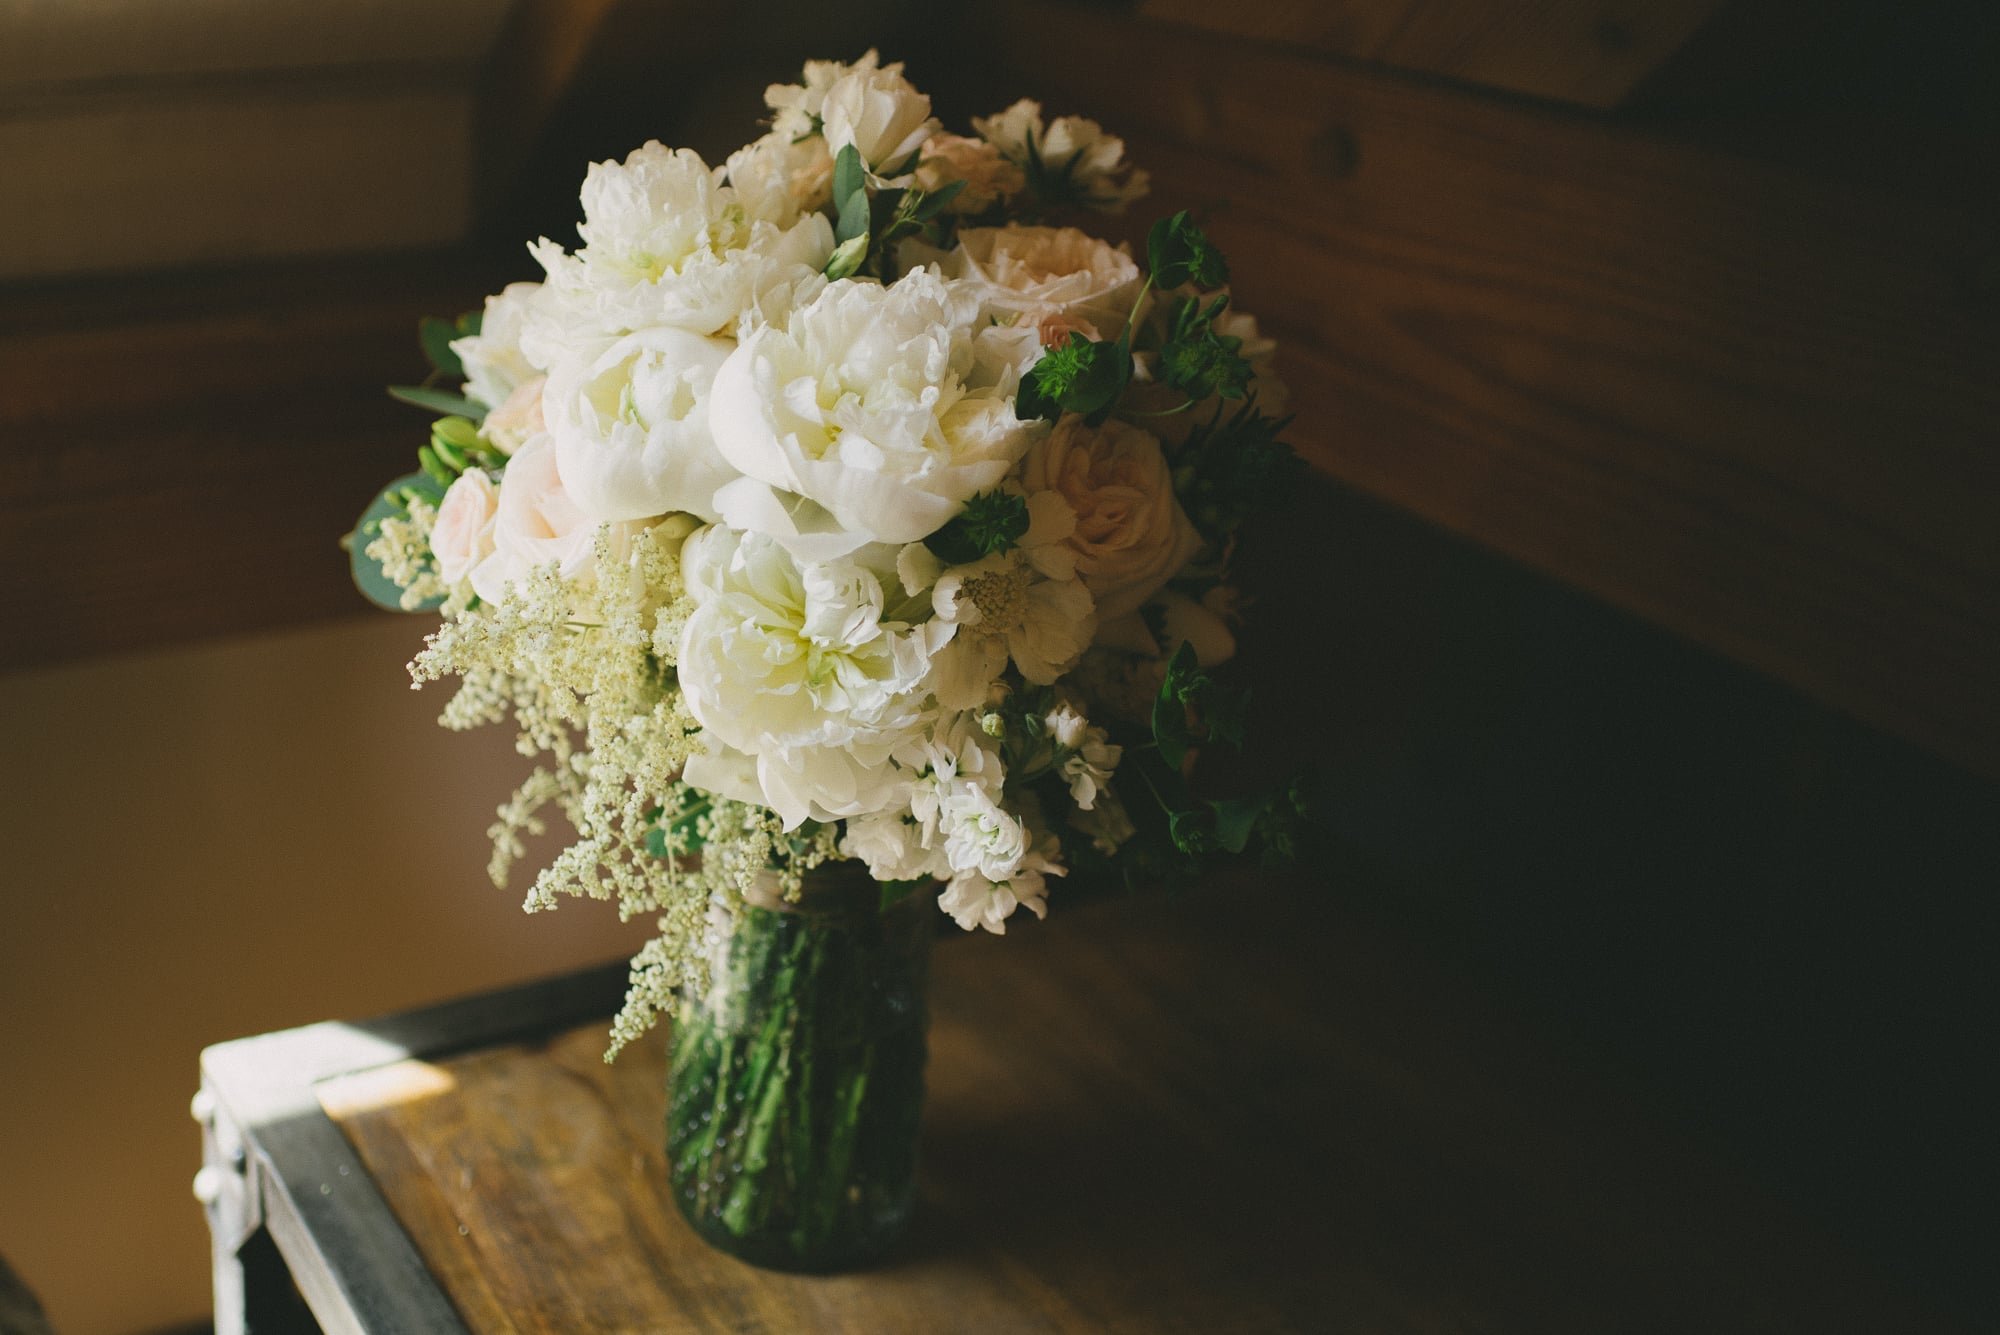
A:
x: 207, y: 843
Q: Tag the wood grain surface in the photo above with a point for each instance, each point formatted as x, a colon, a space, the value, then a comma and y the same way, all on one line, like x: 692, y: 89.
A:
x: 1585, y: 51
x: 183, y: 453
x: 1760, y: 410
x: 1236, y: 1111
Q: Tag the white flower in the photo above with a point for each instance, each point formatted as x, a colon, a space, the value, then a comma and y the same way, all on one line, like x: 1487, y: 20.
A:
x: 973, y: 900
x: 666, y: 242
x: 462, y: 535
x: 1106, y: 823
x: 1088, y: 768
x: 980, y: 835
x: 1070, y: 156
x: 796, y: 667
x: 891, y: 844
x: 630, y: 424
x: 1024, y: 603
x: 537, y: 524
x: 779, y: 177
x: 1131, y: 535
x: 948, y: 760
x: 989, y: 178
x: 882, y: 116
x: 798, y: 107
x: 1057, y: 277
x: 518, y: 417
x: 872, y: 418
x: 494, y: 363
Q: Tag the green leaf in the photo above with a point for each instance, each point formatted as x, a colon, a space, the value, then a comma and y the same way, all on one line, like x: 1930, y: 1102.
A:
x: 895, y: 892
x: 1196, y: 360
x: 1179, y: 252
x: 438, y: 401
x: 849, y: 173
x: 1171, y: 732
x: 1078, y: 376
x: 436, y: 335
x: 846, y: 258
x: 377, y: 587
x: 930, y: 204
x: 853, y: 220
x: 1237, y: 818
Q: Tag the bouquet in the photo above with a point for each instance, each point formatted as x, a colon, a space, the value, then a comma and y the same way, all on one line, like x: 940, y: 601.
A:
x: 850, y: 501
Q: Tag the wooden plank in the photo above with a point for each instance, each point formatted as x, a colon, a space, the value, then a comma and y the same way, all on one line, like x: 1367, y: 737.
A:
x: 184, y: 453
x: 1758, y: 410
x: 1584, y: 51
x: 1182, y: 1120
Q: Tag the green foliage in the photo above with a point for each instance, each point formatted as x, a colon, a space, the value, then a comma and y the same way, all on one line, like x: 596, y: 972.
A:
x: 1078, y: 376
x: 436, y: 336
x: 1192, y: 707
x: 992, y: 521
x: 895, y: 892
x: 438, y: 401
x: 1178, y: 252
x: 1234, y: 465
x: 393, y: 502
x: 1196, y: 360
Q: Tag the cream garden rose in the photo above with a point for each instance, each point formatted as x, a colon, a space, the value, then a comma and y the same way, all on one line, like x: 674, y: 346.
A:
x: 537, y: 523
x: 508, y: 427
x: 462, y: 535
x: 1131, y: 534
x: 882, y: 116
x: 989, y: 178
x: 873, y: 417
x: 1048, y: 274
x: 630, y: 425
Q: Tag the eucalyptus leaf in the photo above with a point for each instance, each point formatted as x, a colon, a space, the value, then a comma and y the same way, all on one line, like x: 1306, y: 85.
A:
x: 438, y: 401
x: 375, y: 586
x: 849, y: 173
x: 436, y: 336
x: 853, y: 217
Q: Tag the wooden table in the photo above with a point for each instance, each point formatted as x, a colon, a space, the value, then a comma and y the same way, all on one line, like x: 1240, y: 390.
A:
x: 1234, y: 1111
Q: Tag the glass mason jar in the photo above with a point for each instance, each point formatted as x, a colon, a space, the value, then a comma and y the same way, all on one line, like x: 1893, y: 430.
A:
x: 797, y: 1082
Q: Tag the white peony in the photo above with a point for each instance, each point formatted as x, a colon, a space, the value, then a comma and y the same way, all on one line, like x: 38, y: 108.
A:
x: 873, y: 417
x: 1069, y: 157
x: 1131, y: 534
x: 882, y: 116
x: 1057, y: 277
x: 536, y: 524
x: 630, y: 425
x: 462, y: 535
x: 666, y: 242
x: 1025, y: 603
x: 494, y: 363
x: 778, y: 177
x: 801, y: 668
